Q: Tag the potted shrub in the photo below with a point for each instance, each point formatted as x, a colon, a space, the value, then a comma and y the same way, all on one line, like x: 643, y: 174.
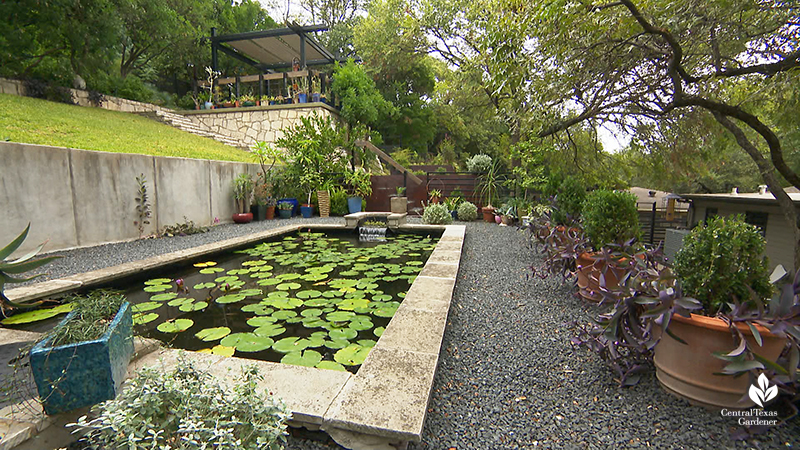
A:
x: 467, y: 212
x: 434, y: 195
x: 610, y: 218
x: 285, y: 209
x: 84, y: 359
x: 567, y: 196
x: 260, y: 197
x: 324, y: 200
x: 451, y: 203
x: 360, y: 187
x: 720, y: 264
x: 398, y: 201
x: 242, y: 190
x: 436, y: 214
x: 490, y: 183
x: 247, y: 100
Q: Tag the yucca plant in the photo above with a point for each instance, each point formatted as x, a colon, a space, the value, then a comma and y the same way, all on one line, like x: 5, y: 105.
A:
x: 10, y: 270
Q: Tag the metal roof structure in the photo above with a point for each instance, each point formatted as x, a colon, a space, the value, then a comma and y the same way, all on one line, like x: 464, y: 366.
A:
x: 273, y: 49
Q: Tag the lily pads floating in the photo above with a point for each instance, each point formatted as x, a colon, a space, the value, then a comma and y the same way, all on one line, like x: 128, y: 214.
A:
x: 361, y: 323
x: 247, y: 342
x: 269, y: 282
x: 386, y: 310
x: 343, y: 334
x: 310, y: 293
x: 180, y: 301
x: 308, y: 358
x: 314, y: 276
x: 352, y: 355
x: 163, y: 296
x: 258, y: 308
x: 287, y: 286
x: 230, y: 298
x: 284, y: 314
x: 237, y: 272
x: 210, y: 270
x: 219, y: 350
x: 257, y: 262
x: 313, y: 322
x: 37, y: 315
x: 378, y: 332
x: 158, y: 281
x: 336, y: 344
x: 350, y: 304
x: 175, y: 325
x: 227, y: 279
x: 311, y: 312
x: 269, y: 330
x: 366, y: 343
x: 251, y: 292
x: 284, y: 303
x: 158, y: 288
x: 339, y: 283
x: 261, y: 321
x: 291, y: 344
x: 381, y: 297
x: 205, y: 264
x: 212, y: 334
x: 142, y: 318
x: 192, y: 307
x: 340, y: 316
x: 277, y: 294
x: 330, y: 365
x: 333, y: 294
x: 144, y: 307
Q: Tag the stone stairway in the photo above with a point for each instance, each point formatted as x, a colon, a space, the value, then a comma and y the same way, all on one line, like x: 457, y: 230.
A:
x: 182, y: 122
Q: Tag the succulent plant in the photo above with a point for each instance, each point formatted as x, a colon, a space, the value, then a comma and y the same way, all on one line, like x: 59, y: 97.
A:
x: 11, y: 269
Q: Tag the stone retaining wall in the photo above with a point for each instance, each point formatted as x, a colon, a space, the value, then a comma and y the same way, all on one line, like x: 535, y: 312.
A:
x: 81, y: 97
x: 261, y: 123
x: 79, y: 198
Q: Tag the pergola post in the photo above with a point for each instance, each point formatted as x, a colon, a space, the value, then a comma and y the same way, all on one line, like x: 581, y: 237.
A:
x: 214, y: 61
x: 260, y: 86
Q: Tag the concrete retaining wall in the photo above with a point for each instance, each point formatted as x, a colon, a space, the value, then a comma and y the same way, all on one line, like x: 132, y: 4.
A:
x: 250, y: 125
x: 79, y: 198
x: 81, y: 97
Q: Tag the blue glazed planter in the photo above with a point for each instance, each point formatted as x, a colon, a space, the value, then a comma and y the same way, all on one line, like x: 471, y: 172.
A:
x: 302, y: 98
x: 354, y: 204
x: 76, y: 375
x: 307, y: 211
x: 295, y: 204
x: 285, y: 213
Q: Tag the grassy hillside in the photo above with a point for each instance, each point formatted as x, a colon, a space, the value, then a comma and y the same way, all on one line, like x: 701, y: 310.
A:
x: 35, y: 121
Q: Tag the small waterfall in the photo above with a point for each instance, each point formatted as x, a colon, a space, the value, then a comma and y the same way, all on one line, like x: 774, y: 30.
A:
x: 371, y: 234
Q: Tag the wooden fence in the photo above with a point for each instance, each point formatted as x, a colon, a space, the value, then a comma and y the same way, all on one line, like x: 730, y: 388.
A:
x: 655, y: 221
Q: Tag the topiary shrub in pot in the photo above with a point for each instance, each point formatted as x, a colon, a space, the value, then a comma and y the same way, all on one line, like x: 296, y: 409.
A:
x: 721, y: 264
x: 610, y: 219
x: 568, y: 195
x: 467, y: 212
x: 437, y: 214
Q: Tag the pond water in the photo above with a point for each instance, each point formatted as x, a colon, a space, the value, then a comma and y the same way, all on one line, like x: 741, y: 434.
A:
x: 306, y: 298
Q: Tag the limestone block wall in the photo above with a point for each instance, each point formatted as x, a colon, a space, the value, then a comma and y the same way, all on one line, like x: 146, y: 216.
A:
x: 81, y: 97
x: 79, y: 198
x: 250, y: 125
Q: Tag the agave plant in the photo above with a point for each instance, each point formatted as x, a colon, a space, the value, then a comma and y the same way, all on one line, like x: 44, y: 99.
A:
x: 9, y: 270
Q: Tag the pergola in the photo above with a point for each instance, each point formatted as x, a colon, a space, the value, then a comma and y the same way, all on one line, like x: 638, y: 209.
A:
x: 268, y: 50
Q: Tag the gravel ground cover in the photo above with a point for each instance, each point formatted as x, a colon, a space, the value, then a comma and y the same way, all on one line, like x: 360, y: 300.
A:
x: 508, y: 377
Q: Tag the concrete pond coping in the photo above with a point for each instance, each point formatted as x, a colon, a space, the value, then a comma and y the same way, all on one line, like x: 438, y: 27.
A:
x: 384, y: 405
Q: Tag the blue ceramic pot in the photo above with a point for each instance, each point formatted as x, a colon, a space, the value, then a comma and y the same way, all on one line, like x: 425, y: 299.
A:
x: 307, y: 211
x: 354, y: 204
x: 302, y: 98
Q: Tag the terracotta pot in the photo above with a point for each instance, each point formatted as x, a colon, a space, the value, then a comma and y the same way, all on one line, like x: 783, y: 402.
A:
x: 589, y: 271
x: 243, y: 218
x: 488, y: 214
x: 688, y: 370
x: 270, y: 214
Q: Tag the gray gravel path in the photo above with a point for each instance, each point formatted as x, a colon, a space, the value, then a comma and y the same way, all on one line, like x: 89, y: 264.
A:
x: 508, y: 377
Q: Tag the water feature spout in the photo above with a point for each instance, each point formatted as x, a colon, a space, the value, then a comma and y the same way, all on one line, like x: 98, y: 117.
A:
x: 371, y: 234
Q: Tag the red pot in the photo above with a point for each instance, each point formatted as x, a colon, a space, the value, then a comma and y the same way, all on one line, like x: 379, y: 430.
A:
x: 589, y: 271
x: 270, y: 212
x: 243, y: 218
x: 488, y: 214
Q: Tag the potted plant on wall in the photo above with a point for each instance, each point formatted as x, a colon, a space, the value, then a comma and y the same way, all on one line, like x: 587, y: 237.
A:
x: 610, y: 218
x: 360, y: 187
x: 84, y: 359
x: 285, y: 209
x: 399, y: 202
x: 242, y: 190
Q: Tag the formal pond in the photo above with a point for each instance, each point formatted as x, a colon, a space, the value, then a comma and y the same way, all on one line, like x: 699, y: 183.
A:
x: 306, y: 298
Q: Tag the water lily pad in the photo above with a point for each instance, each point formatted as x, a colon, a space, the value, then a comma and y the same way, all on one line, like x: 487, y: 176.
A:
x: 290, y: 344
x: 349, y: 273
x: 313, y: 322
x: 339, y: 316
x: 158, y: 281
x: 158, y: 288
x: 366, y: 343
x: 381, y: 298
x: 247, y: 342
x: 278, y: 294
x: 230, y: 298
x: 378, y: 332
x: 205, y: 264
x: 352, y: 355
x: 180, y: 301
x: 333, y: 294
x: 360, y: 323
x: 269, y: 330
x: 414, y: 263
x: 353, y: 303
x: 163, y: 296
x: 212, y: 334
x: 226, y: 279
x: 208, y: 285
x: 144, y: 307
x: 237, y: 272
x: 312, y: 312
x: 287, y: 286
x: 257, y: 262
x: 268, y: 282
x: 219, y: 350
x: 261, y: 321
x: 142, y: 318
x: 210, y: 270
x: 385, y: 310
x: 192, y: 307
x: 308, y: 358
x: 284, y: 303
x: 310, y: 293
x: 330, y: 365
x: 175, y: 325
x: 342, y: 283
x: 343, y: 333
x: 314, y: 276
x: 336, y: 344
x: 37, y: 315
x: 284, y: 314
x: 288, y: 276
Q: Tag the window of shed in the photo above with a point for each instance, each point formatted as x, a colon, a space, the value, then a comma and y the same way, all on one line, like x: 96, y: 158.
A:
x: 759, y: 219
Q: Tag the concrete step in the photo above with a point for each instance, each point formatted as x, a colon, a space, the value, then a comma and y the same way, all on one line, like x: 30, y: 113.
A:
x: 185, y: 124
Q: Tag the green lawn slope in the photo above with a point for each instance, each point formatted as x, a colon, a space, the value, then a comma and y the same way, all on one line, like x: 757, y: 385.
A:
x: 35, y: 121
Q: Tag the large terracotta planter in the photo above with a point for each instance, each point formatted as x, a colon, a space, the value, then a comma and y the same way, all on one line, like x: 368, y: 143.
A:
x: 399, y: 204
x: 488, y: 214
x: 270, y: 213
x: 243, y: 218
x: 688, y: 370
x: 589, y: 270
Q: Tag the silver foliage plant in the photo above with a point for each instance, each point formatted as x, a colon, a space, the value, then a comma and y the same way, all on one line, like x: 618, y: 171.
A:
x: 188, y: 408
x: 437, y: 214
